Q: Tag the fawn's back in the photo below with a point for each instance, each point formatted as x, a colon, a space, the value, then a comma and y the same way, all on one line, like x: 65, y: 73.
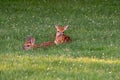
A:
x: 60, y: 36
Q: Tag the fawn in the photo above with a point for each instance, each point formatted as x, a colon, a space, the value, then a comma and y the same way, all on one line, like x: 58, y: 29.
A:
x: 30, y: 43
x: 60, y: 36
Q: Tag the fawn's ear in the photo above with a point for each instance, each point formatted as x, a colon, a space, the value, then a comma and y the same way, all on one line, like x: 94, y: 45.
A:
x: 65, y: 27
x: 28, y: 38
x: 33, y: 41
x: 56, y: 26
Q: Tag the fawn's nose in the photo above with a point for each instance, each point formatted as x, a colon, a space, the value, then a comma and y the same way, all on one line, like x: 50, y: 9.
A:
x: 60, y: 33
x: 23, y: 48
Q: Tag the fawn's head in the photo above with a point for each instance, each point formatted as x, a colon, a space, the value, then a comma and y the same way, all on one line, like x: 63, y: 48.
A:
x: 30, y: 42
x: 60, y: 30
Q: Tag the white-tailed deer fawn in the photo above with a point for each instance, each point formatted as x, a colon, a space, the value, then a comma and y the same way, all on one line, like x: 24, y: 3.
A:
x: 60, y: 36
x: 30, y: 43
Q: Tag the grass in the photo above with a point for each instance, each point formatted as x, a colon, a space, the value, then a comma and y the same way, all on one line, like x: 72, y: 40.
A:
x: 93, y: 53
x: 59, y: 67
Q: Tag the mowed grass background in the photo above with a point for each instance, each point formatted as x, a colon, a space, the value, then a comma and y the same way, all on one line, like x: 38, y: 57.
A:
x: 93, y: 54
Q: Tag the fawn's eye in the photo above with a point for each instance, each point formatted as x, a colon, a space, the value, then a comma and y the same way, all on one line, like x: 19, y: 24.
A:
x: 58, y: 31
x: 28, y: 45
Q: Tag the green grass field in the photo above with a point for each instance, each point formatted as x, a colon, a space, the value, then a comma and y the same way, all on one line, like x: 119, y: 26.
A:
x: 93, y: 54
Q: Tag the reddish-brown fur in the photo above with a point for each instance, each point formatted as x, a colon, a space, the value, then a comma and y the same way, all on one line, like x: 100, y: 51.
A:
x: 30, y: 44
x: 60, y: 36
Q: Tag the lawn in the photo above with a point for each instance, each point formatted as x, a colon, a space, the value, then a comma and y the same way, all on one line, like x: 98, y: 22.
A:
x: 93, y: 54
